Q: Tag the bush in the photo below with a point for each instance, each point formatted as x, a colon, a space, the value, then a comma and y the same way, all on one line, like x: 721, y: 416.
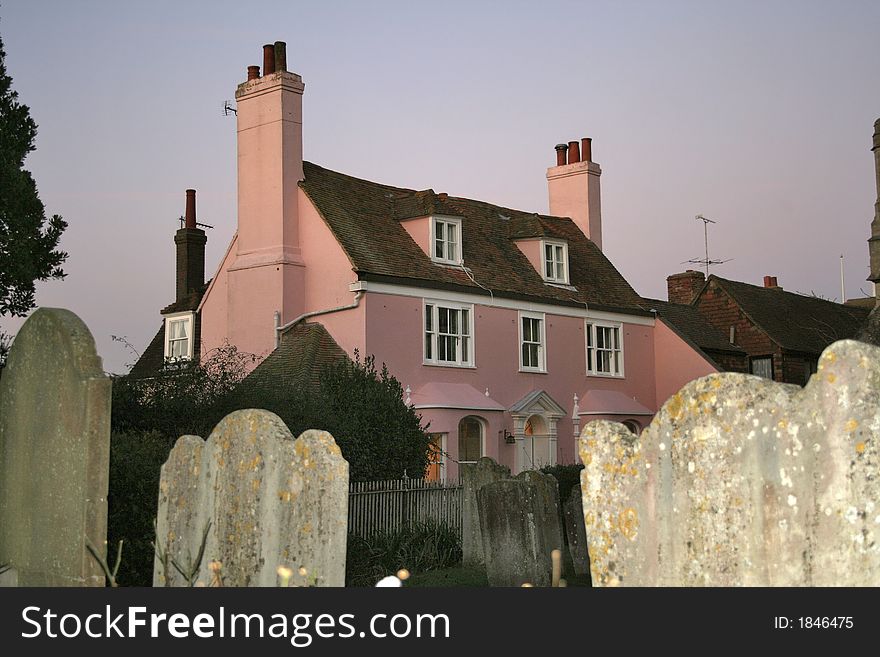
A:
x: 420, y: 548
x: 135, y: 462
x: 567, y: 476
x: 363, y: 408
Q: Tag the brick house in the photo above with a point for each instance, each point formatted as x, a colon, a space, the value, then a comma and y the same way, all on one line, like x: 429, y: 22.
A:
x: 782, y: 333
x: 509, y: 329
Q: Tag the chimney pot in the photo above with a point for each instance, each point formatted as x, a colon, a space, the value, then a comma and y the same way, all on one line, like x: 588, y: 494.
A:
x: 253, y: 72
x: 561, y: 150
x: 280, y: 56
x: 574, y: 152
x: 768, y: 281
x: 587, y: 149
x: 190, y: 208
x: 268, y: 59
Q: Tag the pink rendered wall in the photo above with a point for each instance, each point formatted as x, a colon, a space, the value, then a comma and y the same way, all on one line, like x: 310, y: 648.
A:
x: 215, y: 306
x: 676, y: 362
x: 419, y: 230
x: 531, y: 249
x: 328, y: 269
x: 394, y: 335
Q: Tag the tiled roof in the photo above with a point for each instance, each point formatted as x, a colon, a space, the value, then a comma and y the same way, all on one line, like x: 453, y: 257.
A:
x: 153, y: 358
x: 297, y: 363
x: 794, y: 321
x: 688, y: 321
x: 365, y: 218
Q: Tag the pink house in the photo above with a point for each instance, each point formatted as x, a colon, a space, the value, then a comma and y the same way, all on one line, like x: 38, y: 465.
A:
x: 508, y: 328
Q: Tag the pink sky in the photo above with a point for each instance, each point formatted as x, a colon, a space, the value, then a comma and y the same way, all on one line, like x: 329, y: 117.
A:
x: 757, y: 115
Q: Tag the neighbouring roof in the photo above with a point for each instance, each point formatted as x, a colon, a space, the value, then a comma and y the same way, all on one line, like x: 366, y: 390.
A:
x: 794, y: 321
x: 691, y: 325
x: 153, y: 358
x: 365, y: 218
x: 297, y: 363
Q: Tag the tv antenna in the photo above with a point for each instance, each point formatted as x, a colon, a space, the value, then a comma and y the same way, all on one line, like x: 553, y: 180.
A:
x: 227, y: 108
x: 705, y: 261
x: 182, y: 221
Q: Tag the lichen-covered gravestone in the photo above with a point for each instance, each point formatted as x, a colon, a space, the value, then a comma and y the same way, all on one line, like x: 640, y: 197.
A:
x: 271, y: 502
x: 473, y: 477
x: 742, y: 481
x: 54, y: 454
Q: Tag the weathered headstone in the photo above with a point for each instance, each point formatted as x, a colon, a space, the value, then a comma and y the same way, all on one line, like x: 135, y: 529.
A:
x: 573, y: 512
x: 742, y: 481
x: 513, y: 541
x: 473, y: 477
x: 271, y: 502
x: 54, y: 454
x: 548, y: 513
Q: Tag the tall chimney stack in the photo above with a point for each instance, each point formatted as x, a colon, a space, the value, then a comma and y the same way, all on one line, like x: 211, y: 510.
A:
x: 574, y: 188
x: 190, y: 241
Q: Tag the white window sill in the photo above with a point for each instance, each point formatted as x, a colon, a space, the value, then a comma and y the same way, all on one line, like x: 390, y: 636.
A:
x: 453, y: 365
x: 531, y: 370
x: 561, y: 285
x: 606, y: 375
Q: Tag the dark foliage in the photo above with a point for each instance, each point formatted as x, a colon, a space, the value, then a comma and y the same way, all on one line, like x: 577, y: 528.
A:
x: 28, y: 241
x: 421, y: 547
x: 135, y: 462
x: 567, y: 476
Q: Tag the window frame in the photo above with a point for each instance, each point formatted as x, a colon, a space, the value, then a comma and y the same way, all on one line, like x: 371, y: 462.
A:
x: 435, y: 334
x: 432, y: 240
x: 542, y: 344
x: 188, y: 318
x: 752, y: 360
x: 482, y: 428
x: 565, y: 274
x: 590, y: 326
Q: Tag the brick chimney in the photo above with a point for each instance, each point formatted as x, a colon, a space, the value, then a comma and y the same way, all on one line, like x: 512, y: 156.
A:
x: 683, y: 287
x: 771, y: 283
x: 574, y: 188
x: 874, y: 241
x: 190, y: 241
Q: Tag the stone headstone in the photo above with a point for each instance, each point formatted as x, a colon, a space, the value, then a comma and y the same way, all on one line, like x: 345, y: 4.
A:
x: 54, y: 454
x: 573, y: 512
x: 473, y: 477
x: 742, y: 481
x: 548, y: 513
x: 513, y: 541
x: 271, y: 502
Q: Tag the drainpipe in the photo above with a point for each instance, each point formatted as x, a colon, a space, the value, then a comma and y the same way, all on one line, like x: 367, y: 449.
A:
x: 279, y: 330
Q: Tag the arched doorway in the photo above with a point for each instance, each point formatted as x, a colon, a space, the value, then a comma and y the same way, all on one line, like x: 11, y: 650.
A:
x: 537, y: 443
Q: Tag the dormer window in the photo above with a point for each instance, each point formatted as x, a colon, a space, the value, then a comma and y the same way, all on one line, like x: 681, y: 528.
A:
x: 179, y: 336
x: 555, y: 262
x: 446, y: 240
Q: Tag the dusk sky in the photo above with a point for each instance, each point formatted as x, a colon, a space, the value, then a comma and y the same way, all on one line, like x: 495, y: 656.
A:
x: 758, y: 115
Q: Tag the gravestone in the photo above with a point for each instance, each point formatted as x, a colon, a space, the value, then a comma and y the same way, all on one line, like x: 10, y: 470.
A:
x: 573, y: 512
x: 54, y: 454
x: 513, y: 541
x: 473, y: 477
x: 743, y: 481
x: 265, y: 499
x: 548, y: 514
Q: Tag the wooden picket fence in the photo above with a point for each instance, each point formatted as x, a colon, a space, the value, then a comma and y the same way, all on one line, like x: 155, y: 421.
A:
x: 380, y: 506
